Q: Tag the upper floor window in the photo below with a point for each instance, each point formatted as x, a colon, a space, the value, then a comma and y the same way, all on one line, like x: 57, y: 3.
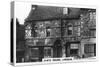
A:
x: 92, y: 22
x: 28, y: 31
x: 48, y: 30
x: 93, y: 33
x: 78, y: 32
x: 70, y: 29
x: 40, y: 31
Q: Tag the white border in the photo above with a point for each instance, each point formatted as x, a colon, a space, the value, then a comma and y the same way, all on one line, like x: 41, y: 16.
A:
x: 14, y: 61
x: 59, y: 5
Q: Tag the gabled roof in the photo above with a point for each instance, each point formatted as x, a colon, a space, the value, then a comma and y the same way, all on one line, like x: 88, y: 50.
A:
x: 48, y: 12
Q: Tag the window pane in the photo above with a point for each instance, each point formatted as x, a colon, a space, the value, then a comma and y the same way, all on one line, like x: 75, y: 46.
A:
x: 34, y: 52
x: 47, y: 52
x: 69, y: 32
x: 70, y: 28
x: 89, y: 48
x: 28, y: 33
x: 74, y: 51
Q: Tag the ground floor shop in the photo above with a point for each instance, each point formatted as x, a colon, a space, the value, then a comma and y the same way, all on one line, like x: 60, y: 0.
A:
x: 88, y: 48
x: 56, y: 50
x: 72, y: 49
x: 38, y: 53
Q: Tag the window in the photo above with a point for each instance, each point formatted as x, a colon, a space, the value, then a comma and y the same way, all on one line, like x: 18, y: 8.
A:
x: 28, y: 31
x: 74, y: 51
x: 92, y: 22
x: 77, y: 30
x: 70, y: 28
x: 35, y: 32
x: 78, y: 33
x: 90, y: 49
x: 93, y: 33
x: 48, y: 33
x: 47, y: 52
x: 40, y: 31
x: 48, y: 30
x: 34, y: 53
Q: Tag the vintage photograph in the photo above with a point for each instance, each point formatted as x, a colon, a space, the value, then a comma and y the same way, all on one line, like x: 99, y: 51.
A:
x: 46, y: 33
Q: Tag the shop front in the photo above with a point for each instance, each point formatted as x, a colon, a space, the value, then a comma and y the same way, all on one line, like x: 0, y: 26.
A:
x: 88, y: 48
x: 72, y: 49
x: 39, y: 51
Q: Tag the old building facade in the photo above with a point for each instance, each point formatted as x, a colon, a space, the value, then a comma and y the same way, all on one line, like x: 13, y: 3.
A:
x: 52, y: 33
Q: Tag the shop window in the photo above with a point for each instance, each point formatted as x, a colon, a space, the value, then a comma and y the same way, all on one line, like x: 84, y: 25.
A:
x: 47, y: 52
x: 90, y: 49
x: 74, y: 51
x: 34, y: 53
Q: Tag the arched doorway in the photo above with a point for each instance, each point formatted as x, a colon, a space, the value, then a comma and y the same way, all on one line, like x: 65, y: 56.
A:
x: 57, y: 49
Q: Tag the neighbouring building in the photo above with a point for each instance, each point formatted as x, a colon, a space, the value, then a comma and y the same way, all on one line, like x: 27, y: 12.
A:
x: 20, y: 42
x: 88, y: 26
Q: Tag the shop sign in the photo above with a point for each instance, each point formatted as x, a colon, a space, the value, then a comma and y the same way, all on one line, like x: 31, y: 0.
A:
x: 74, y: 46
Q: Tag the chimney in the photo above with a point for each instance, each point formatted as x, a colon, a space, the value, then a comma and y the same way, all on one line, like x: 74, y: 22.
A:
x: 65, y: 10
x: 33, y: 7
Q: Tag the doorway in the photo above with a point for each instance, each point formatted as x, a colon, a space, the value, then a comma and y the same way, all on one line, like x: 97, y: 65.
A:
x: 57, y: 49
